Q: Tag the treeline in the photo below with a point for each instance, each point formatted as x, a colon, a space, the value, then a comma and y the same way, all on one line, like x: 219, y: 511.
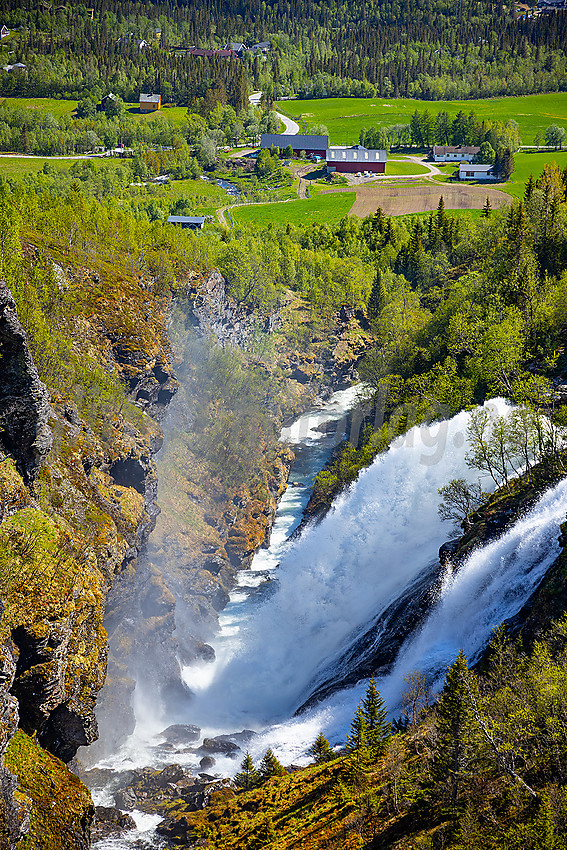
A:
x: 426, y: 129
x: 436, y: 51
x: 35, y: 132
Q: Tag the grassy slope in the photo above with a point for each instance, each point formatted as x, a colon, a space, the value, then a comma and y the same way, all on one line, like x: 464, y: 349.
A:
x: 532, y: 112
x: 531, y: 163
x: 323, y: 209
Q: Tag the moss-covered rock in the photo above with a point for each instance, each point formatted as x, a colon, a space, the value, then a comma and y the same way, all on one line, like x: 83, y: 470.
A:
x: 61, y: 807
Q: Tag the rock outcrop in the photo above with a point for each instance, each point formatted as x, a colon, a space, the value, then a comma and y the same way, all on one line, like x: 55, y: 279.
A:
x: 24, y: 400
x: 71, y: 519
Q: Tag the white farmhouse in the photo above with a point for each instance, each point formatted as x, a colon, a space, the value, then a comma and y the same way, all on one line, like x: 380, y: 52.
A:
x: 475, y: 171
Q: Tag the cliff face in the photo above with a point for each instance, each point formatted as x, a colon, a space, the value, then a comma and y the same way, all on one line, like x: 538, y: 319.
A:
x: 24, y: 400
x: 77, y: 502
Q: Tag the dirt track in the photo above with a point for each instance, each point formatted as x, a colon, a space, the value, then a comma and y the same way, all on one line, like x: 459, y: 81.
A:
x: 403, y: 200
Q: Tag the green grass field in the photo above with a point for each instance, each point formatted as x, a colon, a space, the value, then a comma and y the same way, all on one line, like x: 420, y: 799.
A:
x: 341, y: 114
x: 18, y: 166
x: 45, y: 104
x: 176, y: 114
x: 323, y: 209
x: 404, y: 166
x: 472, y: 214
x: 531, y: 163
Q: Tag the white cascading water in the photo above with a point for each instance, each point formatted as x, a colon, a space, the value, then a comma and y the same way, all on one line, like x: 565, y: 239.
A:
x: 338, y: 575
x: 342, y: 572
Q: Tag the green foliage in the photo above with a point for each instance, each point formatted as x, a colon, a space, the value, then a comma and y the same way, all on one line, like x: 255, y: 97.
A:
x: 247, y: 777
x: 270, y: 766
x: 321, y: 750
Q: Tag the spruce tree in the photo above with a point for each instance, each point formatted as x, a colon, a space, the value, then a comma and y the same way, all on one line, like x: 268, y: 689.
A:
x: 270, y: 766
x: 377, y: 298
x: 375, y: 715
x: 248, y: 777
x: 529, y: 190
x: 457, y: 748
x: 321, y: 750
x: 357, y: 740
x: 487, y: 208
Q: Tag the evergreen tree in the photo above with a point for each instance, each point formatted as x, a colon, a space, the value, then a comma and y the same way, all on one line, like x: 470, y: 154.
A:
x: 441, y: 217
x: 270, y: 766
x: 377, y: 298
x: 458, y: 733
x: 529, y: 190
x: 487, y: 208
x: 357, y: 740
x: 248, y: 777
x: 321, y: 750
x: 375, y: 715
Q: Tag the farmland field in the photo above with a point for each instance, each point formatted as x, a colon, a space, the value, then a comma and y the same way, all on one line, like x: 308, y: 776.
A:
x: 328, y: 208
x: 406, y: 200
x: 349, y: 114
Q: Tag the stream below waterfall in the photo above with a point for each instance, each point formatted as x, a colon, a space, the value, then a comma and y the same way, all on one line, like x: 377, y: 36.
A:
x: 298, y: 616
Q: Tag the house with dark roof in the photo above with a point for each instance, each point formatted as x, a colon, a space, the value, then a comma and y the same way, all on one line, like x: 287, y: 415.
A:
x: 455, y: 153
x: 355, y: 159
x: 261, y: 47
x: 150, y: 102
x: 207, y: 53
x: 316, y: 145
x: 194, y: 222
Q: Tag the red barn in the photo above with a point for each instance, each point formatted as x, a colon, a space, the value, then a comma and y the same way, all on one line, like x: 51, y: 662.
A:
x: 355, y: 159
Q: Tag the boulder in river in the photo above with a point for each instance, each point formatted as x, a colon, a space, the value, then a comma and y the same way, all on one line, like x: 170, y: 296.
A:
x: 181, y: 733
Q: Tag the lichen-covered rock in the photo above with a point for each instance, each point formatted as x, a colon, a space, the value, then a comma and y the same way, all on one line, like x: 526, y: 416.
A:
x: 62, y: 810
x: 14, y: 812
x: 24, y: 400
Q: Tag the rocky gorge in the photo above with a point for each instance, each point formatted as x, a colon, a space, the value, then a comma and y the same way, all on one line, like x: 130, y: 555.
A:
x: 78, y: 502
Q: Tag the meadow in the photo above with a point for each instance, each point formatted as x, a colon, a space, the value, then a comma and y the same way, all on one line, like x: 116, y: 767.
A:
x: 323, y: 209
x: 528, y: 162
x: 19, y: 166
x: 349, y: 115
x: 58, y: 108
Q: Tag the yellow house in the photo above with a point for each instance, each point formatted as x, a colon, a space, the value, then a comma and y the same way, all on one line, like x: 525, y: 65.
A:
x: 150, y: 102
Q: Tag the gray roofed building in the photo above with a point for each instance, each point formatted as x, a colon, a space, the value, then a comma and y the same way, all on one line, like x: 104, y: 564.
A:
x: 454, y: 153
x: 195, y: 222
x: 309, y: 144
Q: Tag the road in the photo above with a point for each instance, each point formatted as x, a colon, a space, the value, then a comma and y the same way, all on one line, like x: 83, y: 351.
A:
x: 291, y: 127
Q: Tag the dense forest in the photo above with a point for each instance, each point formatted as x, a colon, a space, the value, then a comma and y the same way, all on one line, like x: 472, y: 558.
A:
x: 437, y: 50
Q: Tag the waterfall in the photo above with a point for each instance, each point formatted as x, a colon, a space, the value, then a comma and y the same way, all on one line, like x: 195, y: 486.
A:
x: 362, y: 567
x: 379, y: 540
